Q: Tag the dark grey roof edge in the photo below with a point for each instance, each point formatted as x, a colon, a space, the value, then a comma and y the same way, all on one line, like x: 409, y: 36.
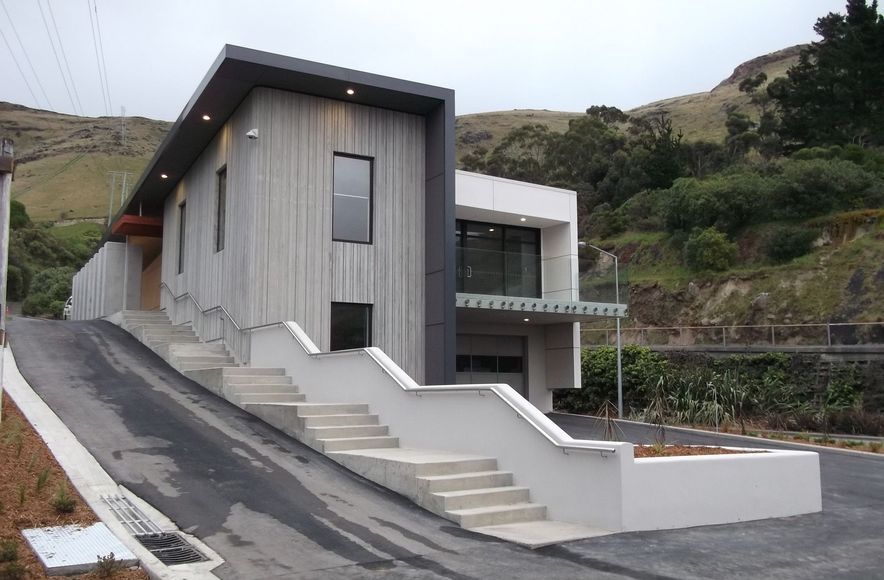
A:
x: 261, y: 61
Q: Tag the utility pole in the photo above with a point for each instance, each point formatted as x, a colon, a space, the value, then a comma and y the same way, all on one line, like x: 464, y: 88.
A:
x: 123, y: 125
x: 125, y: 178
x: 7, y: 163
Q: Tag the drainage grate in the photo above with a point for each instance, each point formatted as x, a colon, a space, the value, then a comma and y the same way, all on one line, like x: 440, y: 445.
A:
x: 130, y: 516
x: 170, y: 548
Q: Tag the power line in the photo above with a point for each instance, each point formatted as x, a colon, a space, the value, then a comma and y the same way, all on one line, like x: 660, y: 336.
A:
x: 18, y: 66
x: 64, y: 55
x: 57, y: 60
x: 25, y: 52
x: 103, y: 62
x: 98, y: 60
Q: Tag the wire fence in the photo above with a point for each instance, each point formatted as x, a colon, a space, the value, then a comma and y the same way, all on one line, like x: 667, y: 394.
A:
x: 823, y: 334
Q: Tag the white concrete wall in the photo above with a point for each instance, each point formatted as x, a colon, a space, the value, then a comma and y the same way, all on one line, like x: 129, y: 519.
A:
x: 109, y: 282
x: 679, y: 492
x: 611, y: 490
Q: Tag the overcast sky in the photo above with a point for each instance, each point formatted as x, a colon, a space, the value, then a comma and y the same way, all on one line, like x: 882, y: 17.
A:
x: 497, y: 55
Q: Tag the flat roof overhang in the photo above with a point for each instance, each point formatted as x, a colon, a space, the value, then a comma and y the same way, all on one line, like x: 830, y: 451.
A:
x: 234, y: 74
x: 510, y: 309
x: 136, y: 225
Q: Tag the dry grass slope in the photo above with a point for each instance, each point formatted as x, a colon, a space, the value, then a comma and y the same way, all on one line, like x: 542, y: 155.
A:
x: 62, y: 160
x: 699, y: 116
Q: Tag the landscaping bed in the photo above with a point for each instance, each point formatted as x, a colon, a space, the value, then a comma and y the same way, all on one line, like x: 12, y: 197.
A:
x: 645, y: 451
x: 35, y: 492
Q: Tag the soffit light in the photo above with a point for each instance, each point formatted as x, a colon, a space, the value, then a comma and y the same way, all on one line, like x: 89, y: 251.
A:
x: 351, y: 92
x: 523, y: 219
x: 490, y: 229
x: 526, y: 319
x: 207, y: 118
x: 164, y: 176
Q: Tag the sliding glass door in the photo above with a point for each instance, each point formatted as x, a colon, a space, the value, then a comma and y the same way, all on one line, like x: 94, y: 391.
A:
x: 498, y: 260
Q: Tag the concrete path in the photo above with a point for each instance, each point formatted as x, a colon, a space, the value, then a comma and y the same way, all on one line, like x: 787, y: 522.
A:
x: 273, y: 508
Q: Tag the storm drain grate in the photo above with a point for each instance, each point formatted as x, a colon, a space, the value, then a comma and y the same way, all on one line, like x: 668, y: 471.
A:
x: 170, y: 548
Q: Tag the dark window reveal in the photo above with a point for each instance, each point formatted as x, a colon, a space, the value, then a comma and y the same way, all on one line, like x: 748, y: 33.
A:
x: 351, y: 221
x: 182, y: 214
x: 221, y: 210
x: 350, y: 326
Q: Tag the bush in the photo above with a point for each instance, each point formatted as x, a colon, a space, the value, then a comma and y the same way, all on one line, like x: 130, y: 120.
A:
x: 709, y: 249
x: 8, y: 550
x: 641, y: 368
x: 13, y: 571
x: 62, y: 501
x: 786, y: 243
x: 817, y: 186
x: 18, y: 217
x: 51, y: 288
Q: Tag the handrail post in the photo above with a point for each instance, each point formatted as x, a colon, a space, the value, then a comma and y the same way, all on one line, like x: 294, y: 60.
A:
x: 773, y: 339
x: 724, y: 337
x: 828, y: 334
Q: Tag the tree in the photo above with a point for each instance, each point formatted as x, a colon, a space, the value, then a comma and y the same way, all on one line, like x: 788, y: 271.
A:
x: 834, y: 95
x: 522, y: 154
x: 18, y: 216
x: 709, y: 249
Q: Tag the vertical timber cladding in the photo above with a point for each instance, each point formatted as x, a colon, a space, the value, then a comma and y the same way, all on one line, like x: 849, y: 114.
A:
x: 279, y: 261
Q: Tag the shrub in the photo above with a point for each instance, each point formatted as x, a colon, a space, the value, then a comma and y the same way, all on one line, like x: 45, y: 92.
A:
x: 108, y: 566
x: 62, y: 501
x: 816, y: 186
x: 8, y: 550
x: 786, y: 243
x: 13, y: 571
x: 42, y: 479
x: 709, y: 249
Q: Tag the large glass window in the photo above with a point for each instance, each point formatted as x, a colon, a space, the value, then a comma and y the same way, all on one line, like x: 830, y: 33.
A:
x: 221, y: 210
x: 351, y: 220
x: 498, y: 260
x: 182, y: 215
x: 350, y: 325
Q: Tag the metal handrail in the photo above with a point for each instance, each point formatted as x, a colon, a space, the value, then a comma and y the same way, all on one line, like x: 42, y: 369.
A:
x: 409, y: 386
x: 201, y: 310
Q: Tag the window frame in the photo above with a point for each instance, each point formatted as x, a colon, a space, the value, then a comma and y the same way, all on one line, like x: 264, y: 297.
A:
x: 370, y: 197
x: 220, y: 228
x: 182, y: 234
x: 369, y: 323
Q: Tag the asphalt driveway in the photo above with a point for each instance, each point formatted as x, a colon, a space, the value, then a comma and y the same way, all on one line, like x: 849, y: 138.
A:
x: 274, y: 508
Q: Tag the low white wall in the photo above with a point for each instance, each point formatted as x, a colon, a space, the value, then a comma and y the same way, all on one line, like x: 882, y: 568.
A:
x: 491, y: 420
x: 679, y: 492
x: 606, y: 490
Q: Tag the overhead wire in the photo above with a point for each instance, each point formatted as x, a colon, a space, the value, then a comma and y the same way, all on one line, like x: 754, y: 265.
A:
x: 57, y: 60
x: 103, y: 62
x: 64, y: 55
x: 18, y: 66
x: 98, y: 60
x: 25, y: 52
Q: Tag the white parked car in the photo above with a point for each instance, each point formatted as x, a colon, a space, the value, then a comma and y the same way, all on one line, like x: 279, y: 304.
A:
x: 68, y: 308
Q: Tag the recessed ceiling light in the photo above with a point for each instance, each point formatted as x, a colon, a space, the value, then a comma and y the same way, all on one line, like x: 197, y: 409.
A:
x: 351, y: 92
x: 207, y: 118
x: 527, y: 319
x: 490, y: 229
x: 523, y: 219
x: 164, y: 176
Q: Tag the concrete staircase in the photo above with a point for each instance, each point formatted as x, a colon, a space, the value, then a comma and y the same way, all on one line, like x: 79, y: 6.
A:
x: 466, y: 489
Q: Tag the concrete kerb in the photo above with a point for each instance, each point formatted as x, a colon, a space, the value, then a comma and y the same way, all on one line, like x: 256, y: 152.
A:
x: 93, y: 482
x: 738, y: 437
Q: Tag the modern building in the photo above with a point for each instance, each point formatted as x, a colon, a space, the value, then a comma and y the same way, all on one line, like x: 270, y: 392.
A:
x: 294, y: 191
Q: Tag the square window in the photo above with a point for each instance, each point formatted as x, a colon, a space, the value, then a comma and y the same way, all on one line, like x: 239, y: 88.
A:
x: 350, y: 326
x: 353, y: 188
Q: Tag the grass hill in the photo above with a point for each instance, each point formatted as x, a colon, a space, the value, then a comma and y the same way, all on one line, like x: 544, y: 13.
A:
x: 62, y: 160
x: 697, y: 116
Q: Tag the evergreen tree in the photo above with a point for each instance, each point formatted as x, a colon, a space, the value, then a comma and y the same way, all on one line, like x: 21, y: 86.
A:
x: 834, y: 95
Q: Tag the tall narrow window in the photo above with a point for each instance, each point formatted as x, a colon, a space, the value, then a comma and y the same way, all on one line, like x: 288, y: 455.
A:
x: 182, y: 216
x: 350, y: 325
x: 221, y: 210
x: 351, y: 220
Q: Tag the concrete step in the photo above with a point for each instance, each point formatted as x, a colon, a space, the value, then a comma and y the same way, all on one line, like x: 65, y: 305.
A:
x: 212, y: 358
x: 483, y: 497
x: 406, y: 461
x: 156, y: 340
x: 313, y: 409
x: 460, y: 481
x: 346, y: 431
x: 254, y: 371
x: 244, y: 379
x: 258, y: 389
x: 257, y: 398
x: 347, y: 420
x: 168, y: 334
x: 349, y: 443
x: 147, y: 318
x: 193, y: 366
x: 498, y: 514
